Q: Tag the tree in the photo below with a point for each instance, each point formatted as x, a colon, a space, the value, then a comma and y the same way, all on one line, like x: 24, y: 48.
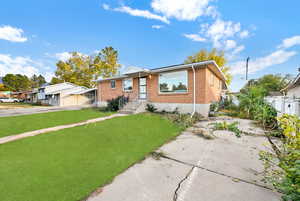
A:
x: 37, y: 81
x: 106, y: 62
x: 16, y: 82
x: 83, y: 70
x: 217, y: 56
x: 269, y: 83
x: 3, y: 88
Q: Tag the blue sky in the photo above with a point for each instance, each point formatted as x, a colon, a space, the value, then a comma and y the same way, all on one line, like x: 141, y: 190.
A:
x: 35, y: 34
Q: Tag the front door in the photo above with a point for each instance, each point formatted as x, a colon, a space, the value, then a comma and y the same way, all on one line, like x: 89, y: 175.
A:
x: 143, y: 88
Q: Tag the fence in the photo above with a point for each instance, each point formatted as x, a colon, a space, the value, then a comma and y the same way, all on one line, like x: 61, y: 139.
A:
x: 285, y: 105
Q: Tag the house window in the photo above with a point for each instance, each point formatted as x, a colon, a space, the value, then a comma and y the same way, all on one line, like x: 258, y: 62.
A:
x: 173, y: 82
x: 127, y: 84
x: 113, y: 84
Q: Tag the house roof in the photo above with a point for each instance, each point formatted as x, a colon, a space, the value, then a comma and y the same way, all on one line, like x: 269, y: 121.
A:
x: 73, y: 89
x: 83, y: 91
x: 293, y: 84
x: 134, y: 69
x: 65, y: 87
x: 170, y: 68
x: 21, y: 92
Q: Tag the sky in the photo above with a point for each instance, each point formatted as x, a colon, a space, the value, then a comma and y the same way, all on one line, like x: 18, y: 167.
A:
x: 34, y: 34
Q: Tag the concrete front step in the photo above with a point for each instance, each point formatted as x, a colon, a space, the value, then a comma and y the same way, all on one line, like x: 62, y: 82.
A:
x: 131, y: 107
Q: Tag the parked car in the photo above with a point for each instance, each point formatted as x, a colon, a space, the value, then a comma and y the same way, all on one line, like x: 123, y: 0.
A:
x: 9, y: 100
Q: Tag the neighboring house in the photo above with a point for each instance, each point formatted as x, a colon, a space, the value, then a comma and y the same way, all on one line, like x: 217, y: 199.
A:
x: 64, y: 94
x: 33, y: 96
x: 186, y: 87
x: 5, y: 94
x: 289, y: 102
x: 22, y: 95
x: 293, y: 88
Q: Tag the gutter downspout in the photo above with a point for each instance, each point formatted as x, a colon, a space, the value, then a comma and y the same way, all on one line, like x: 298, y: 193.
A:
x: 194, y: 91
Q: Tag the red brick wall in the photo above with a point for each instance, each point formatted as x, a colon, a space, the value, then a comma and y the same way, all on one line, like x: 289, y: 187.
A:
x: 155, y: 96
x: 213, y: 89
x: 206, y: 92
x: 105, y: 92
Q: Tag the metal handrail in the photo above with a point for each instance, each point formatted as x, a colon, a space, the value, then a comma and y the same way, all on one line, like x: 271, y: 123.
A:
x: 123, y: 101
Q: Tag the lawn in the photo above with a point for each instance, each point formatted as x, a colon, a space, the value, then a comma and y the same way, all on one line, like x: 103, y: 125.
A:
x: 69, y: 164
x: 19, y: 124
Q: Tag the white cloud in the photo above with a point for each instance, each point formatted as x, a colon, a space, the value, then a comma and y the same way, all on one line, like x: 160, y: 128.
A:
x: 230, y: 44
x: 290, y: 42
x: 157, y: 26
x: 221, y: 30
x: 63, y: 56
x: 24, y: 66
x: 12, y: 34
x: 105, y: 6
x: 277, y: 57
x: 17, y: 65
x: 48, y: 76
x: 244, y: 34
x: 195, y: 37
x: 223, y: 35
x: 238, y: 49
x: 212, y: 11
x: 182, y: 10
x: 142, y: 13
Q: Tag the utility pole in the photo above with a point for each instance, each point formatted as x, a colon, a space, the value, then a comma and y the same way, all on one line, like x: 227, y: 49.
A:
x: 247, y: 62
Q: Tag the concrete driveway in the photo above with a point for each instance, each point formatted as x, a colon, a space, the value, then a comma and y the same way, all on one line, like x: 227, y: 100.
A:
x: 33, y: 110
x: 192, y: 168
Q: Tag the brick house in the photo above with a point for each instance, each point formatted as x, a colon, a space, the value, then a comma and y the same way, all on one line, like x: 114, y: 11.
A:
x: 187, y: 87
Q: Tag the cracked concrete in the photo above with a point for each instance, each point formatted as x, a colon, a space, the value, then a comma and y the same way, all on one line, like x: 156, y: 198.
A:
x: 226, y: 168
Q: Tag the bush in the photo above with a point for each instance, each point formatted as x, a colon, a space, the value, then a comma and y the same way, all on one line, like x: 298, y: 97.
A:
x: 115, y: 104
x: 151, y: 108
x: 233, y: 127
x: 214, y: 107
x: 283, y: 168
x: 183, y: 120
x: 290, y: 158
x: 253, y: 106
x: 227, y: 104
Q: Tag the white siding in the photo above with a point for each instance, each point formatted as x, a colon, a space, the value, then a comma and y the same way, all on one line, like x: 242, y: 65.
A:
x: 285, y: 105
x: 294, y: 92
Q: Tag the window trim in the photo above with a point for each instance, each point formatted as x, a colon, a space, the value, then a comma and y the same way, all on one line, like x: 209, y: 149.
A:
x: 114, y: 84
x: 131, y: 84
x: 166, y: 93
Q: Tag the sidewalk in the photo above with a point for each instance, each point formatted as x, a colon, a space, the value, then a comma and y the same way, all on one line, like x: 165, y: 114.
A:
x: 38, y: 109
x: 192, y: 168
x: 56, y: 128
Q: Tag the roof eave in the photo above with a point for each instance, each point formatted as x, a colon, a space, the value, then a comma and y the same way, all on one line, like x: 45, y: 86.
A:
x: 291, y: 84
x: 183, y: 66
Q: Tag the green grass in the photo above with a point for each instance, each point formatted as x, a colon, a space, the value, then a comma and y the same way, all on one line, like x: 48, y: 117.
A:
x: 69, y: 164
x: 19, y: 124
